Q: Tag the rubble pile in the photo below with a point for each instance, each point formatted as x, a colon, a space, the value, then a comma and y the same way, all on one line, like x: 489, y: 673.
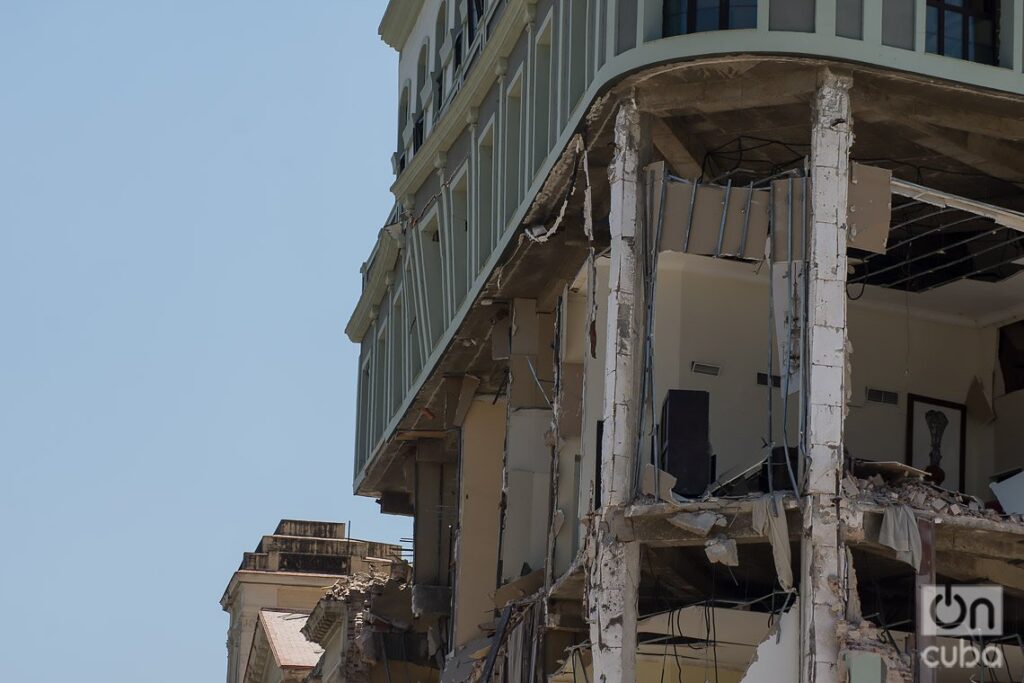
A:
x: 366, y: 595
x: 921, y: 495
x: 863, y: 637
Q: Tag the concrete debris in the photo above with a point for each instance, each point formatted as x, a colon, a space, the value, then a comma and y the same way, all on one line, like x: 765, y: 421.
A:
x: 519, y: 588
x: 778, y: 655
x: 378, y: 600
x: 1009, y: 491
x: 722, y: 550
x: 657, y: 483
x: 557, y: 521
x: 466, y: 660
x: 697, y: 522
x: 539, y: 233
x: 919, y: 494
x: 862, y: 638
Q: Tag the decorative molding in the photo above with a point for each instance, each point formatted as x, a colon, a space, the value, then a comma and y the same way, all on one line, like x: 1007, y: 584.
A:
x: 398, y: 21
x: 381, y: 264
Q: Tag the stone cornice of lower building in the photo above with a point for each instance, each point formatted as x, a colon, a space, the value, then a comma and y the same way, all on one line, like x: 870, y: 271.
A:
x: 398, y: 21
x: 325, y: 617
x: 268, y: 577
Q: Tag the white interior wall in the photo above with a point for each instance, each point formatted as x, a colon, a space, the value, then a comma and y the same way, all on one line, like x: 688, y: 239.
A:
x: 716, y: 312
x: 528, y: 462
x: 483, y: 442
x: 918, y: 356
x: 723, y: 321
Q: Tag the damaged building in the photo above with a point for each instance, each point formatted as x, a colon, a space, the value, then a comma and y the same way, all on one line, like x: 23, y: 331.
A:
x: 694, y: 343
x: 285, y: 580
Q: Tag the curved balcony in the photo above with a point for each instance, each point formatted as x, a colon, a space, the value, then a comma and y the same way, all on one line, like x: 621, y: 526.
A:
x: 542, y: 67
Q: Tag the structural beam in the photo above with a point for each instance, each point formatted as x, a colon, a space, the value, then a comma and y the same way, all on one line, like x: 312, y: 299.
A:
x: 714, y: 96
x: 614, y: 571
x: 823, y: 557
x: 1004, y: 217
x: 682, y: 162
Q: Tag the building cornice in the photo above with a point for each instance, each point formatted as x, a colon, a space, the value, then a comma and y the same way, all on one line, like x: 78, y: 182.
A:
x: 398, y: 21
x: 471, y: 94
x: 378, y: 279
x: 325, y: 617
x: 296, y: 579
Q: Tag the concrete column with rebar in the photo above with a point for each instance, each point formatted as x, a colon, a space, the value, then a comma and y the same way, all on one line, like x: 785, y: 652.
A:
x: 823, y: 559
x: 614, y: 571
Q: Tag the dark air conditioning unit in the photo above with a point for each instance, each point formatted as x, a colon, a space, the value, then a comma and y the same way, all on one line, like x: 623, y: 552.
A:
x: 685, y: 443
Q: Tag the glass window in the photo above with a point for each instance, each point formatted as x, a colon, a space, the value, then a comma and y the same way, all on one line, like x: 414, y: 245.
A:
x: 965, y: 29
x: 693, y: 16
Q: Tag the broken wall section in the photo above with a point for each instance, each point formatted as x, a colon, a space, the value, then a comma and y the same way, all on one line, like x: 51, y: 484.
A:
x: 527, y: 462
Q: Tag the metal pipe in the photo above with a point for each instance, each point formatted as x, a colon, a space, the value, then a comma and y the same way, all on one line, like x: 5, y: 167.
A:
x: 959, y: 260
x: 926, y: 233
x: 725, y: 215
x: 689, y: 219
x: 912, y: 202
x: 917, y: 258
x: 918, y: 219
x: 746, y: 222
x: 805, y: 389
x: 771, y: 329
x: 1004, y: 262
x: 786, y: 368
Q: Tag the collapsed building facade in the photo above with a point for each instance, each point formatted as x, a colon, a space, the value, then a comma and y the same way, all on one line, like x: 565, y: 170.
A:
x: 693, y: 342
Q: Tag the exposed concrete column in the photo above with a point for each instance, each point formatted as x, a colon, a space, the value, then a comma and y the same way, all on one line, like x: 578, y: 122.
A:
x: 527, y: 463
x: 614, y: 573
x: 483, y: 441
x: 823, y: 560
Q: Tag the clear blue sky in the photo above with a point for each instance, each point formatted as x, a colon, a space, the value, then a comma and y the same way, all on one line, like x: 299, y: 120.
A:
x: 187, y: 190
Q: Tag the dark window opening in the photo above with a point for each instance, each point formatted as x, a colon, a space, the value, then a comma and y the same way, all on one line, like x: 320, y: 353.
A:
x: 680, y: 17
x: 417, y: 134
x: 964, y: 29
x: 458, y: 51
x: 476, y: 12
x: 1011, y: 356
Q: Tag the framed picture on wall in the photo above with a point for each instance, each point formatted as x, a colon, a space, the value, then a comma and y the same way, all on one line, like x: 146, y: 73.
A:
x: 937, y: 439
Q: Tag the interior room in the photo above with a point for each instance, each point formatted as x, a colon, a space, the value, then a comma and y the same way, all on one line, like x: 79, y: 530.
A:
x: 933, y: 327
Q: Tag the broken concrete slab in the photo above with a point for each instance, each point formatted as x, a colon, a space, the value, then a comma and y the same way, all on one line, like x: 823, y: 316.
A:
x: 722, y: 550
x: 519, y: 588
x: 658, y: 483
x: 697, y: 522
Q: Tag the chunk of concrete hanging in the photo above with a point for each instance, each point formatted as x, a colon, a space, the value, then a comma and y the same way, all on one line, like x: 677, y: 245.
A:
x: 722, y: 550
x: 777, y: 658
x: 869, y: 208
x: 540, y: 233
x: 707, y: 219
x: 699, y: 523
x: 657, y: 483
